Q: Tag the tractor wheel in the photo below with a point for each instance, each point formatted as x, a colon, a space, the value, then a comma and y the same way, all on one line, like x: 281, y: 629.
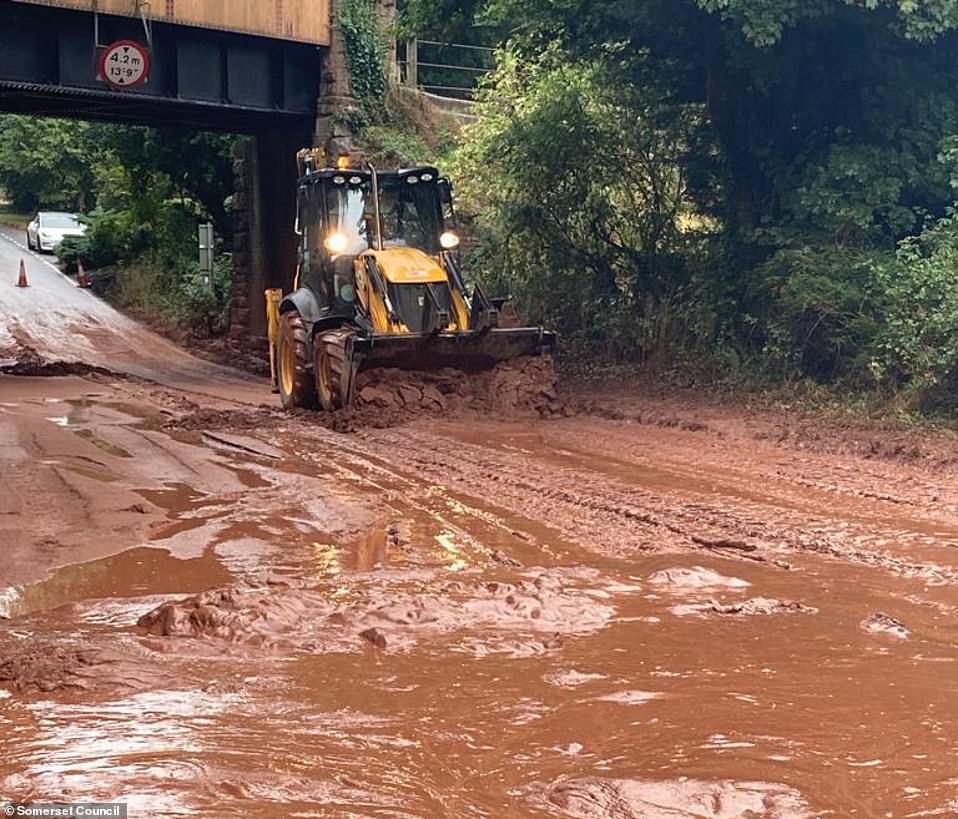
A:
x: 296, y: 388
x: 334, y: 370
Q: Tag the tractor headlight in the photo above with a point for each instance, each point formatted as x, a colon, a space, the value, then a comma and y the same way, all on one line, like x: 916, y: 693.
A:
x: 337, y: 243
x: 449, y: 240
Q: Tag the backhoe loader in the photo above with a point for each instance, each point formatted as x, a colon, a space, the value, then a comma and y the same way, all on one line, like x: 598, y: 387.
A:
x: 379, y: 284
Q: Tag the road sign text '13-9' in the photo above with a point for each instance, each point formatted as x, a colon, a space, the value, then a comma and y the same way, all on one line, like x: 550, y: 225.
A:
x: 124, y: 64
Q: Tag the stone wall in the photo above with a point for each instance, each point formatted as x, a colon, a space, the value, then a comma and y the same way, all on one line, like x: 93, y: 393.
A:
x: 335, y: 97
x: 264, y: 215
x: 247, y: 248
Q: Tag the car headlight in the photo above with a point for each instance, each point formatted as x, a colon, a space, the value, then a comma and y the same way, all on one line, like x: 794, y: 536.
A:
x: 449, y: 240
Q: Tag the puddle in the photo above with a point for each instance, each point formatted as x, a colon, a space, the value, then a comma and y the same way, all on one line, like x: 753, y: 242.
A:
x: 148, y: 418
x: 178, y: 498
x: 134, y: 573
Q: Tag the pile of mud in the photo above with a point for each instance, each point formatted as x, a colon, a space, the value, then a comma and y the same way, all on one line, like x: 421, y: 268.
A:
x: 385, y: 397
x: 48, y: 664
x: 208, y: 418
x: 881, y: 623
x: 543, y: 608
x: 24, y: 360
x: 233, y: 615
x: 46, y: 667
x: 522, y: 388
x: 754, y: 606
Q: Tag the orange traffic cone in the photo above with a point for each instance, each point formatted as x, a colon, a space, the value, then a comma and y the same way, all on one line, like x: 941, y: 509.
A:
x: 82, y: 279
x: 22, y: 281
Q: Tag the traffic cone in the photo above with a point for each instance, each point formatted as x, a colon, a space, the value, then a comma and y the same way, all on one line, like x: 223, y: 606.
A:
x: 82, y: 279
x: 22, y: 281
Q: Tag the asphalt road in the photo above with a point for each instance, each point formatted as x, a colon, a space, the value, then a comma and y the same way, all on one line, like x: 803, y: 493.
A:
x: 62, y: 322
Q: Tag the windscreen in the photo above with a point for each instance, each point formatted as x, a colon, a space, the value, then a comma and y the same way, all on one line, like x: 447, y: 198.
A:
x: 410, y: 212
x: 350, y: 209
x: 59, y: 221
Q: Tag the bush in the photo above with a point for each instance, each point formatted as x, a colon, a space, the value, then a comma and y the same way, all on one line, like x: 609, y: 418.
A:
x: 918, y: 342
x: 581, y: 202
x: 823, y: 312
x: 154, y: 256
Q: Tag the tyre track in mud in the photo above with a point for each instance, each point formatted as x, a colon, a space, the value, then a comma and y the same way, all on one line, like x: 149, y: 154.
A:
x: 590, y: 505
x: 742, y: 463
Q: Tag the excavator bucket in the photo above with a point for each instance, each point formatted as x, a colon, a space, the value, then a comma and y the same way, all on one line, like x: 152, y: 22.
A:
x: 469, y: 351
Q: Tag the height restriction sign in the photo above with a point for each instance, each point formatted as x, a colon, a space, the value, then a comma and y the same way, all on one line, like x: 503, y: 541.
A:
x: 124, y: 64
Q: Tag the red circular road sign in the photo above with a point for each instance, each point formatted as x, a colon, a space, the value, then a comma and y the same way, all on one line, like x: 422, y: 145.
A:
x: 125, y: 64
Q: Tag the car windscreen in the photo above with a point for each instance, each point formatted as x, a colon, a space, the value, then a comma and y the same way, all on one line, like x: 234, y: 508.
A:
x: 59, y: 221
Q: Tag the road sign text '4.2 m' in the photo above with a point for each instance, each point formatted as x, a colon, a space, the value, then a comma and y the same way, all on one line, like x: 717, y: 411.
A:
x: 124, y: 64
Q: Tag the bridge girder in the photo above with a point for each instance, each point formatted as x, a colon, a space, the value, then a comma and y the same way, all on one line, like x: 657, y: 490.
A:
x: 201, y: 78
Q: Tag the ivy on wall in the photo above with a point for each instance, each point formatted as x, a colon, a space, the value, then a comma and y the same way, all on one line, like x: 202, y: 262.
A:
x: 364, y: 43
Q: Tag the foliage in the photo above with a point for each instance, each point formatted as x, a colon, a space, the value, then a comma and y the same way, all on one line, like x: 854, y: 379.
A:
x: 144, y: 191
x: 578, y: 186
x: 918, y: 342
x: 412, y: 132
x: 364, y: 44
x: 823, y: 312
x: 154, y: 263
x: 13, y: 219
x: 807, y: 150
x: 194, y: 166
x: 44, y: 163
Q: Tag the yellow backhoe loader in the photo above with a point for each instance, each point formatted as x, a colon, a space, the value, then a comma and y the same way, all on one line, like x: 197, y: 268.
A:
x: 379, y: 285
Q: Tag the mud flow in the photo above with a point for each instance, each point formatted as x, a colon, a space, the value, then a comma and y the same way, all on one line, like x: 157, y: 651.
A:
x: 480, y: 608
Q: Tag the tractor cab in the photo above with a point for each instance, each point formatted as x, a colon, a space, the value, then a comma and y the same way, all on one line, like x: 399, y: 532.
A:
x: 375, y: 249
x: 345, y: 213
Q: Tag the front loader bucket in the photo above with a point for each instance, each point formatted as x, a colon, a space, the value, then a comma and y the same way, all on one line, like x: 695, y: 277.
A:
x: 471, y: 351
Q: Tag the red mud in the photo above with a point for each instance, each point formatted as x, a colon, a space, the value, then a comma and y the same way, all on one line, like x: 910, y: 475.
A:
x: 386, y: 616
x: 386, y: 398
x: 746, y: 608
x: 47, y: 665
x: 669, y: 611
x: 24, y: 360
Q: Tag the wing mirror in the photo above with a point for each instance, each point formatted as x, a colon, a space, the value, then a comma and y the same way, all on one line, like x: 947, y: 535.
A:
x: 445, y: 192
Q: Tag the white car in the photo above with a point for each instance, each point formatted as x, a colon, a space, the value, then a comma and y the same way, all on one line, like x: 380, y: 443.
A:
x: 49, y: 228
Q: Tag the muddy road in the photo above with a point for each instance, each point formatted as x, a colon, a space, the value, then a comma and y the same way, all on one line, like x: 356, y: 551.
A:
x: 645, y: 609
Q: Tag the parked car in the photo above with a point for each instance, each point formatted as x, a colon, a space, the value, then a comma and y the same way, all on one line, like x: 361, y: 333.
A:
x: 49, y: 228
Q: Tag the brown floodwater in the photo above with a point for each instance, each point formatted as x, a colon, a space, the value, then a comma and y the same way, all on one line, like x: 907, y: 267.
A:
x: 579, y: 618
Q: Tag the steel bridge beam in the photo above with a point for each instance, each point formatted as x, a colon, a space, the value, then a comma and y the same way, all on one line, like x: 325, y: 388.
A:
x: 201, y: 78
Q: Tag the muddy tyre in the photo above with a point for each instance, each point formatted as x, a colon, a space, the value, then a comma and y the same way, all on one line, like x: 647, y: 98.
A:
x: 335, y: 373
x: 296, y: 385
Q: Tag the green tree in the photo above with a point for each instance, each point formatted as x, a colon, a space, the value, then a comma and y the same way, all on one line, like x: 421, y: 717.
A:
x: 47, y: 163
x: 197, y: 167
x: 823, y: 140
